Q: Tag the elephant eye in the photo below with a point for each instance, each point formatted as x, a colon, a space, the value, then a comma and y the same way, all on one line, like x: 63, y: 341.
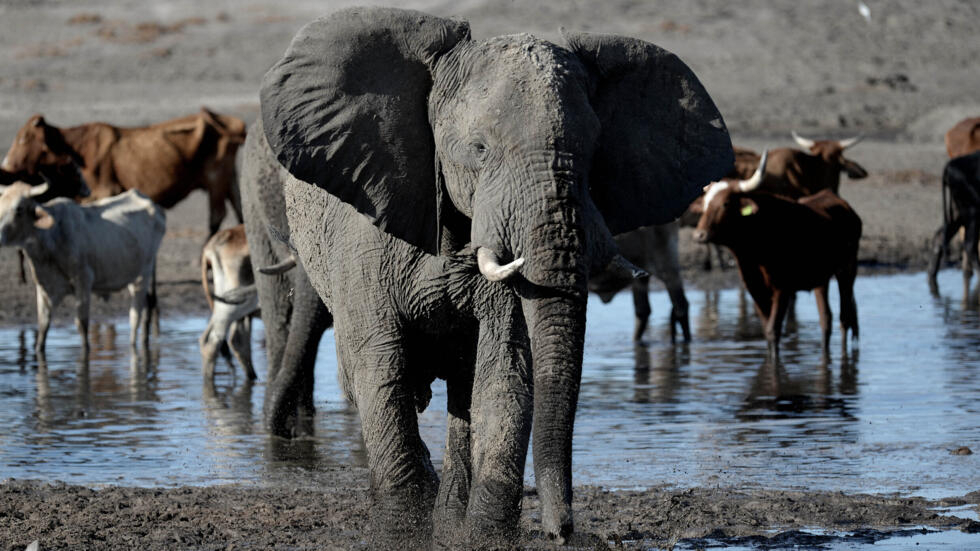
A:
x: 479, y: 149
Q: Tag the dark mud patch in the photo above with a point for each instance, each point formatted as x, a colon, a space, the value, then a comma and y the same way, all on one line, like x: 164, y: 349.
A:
x: 233, y: 517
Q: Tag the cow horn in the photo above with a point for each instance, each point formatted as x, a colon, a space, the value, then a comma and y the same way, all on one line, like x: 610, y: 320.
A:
x: 756, y: 179
x: 490, y: 266
x: 37, y: 191
x: 850, y: 142
x: 624, y: 268
x: 804, y: 142
x: 281, y: 267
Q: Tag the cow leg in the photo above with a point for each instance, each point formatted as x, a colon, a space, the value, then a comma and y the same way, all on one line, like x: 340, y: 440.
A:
x: 641, y: 307
x: 240, y: 341
x: 774, y: 327
x: 217, y: 210
x: 971, y: 259
x: 139, y: 315
x: 81, y: 315
x: 720, y: 257
x: 848, y: 306
x: 211, y: 340
x: 43, y: 320
x: 823, y: 308
x: 940, y: 248
x: 666, y: 266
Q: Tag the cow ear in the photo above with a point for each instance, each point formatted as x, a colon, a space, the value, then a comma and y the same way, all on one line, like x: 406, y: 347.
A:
x: 854, y: 171
x: 38, y: 121
x: 747, y: 207
x: 662, y: 137
x: 346, y: 109
x: 42, y: 218
x: 54, y: 140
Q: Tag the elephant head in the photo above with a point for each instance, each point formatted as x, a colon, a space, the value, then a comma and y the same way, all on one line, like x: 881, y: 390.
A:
x: 532, y: 152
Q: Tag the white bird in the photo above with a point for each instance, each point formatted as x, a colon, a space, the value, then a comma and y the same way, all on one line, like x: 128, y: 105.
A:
x: 865, y: 11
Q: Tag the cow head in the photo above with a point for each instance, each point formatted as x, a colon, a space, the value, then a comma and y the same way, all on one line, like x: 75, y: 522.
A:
x: 724, y: 203
x: 832, y: 153
x: 40, y: 154
x: 37, y: 146
x: 20, y: 213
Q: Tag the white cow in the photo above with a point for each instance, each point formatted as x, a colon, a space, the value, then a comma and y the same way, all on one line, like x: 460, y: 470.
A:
x: 226, y: 256
x: 78, y: 250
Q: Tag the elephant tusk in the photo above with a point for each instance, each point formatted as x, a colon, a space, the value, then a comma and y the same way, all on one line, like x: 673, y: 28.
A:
x: 490, y: 266
x: 624, y: 268
x: 281, y: 267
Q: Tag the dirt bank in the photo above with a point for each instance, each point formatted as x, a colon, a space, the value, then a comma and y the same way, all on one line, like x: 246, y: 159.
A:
x: 73, y: 517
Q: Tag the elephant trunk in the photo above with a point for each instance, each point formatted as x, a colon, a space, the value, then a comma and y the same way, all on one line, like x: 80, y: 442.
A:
x: 556, y: 323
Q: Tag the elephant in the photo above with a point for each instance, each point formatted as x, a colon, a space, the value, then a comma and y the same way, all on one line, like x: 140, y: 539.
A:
x: 408, y: 144
x: 293, y: 315
x: 654, y: 249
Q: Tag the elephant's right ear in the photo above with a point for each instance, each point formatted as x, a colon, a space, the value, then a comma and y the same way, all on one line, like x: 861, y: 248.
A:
x: 346, y: 109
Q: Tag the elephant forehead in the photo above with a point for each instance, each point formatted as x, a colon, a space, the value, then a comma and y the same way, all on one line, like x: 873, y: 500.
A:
x: 529, y: 60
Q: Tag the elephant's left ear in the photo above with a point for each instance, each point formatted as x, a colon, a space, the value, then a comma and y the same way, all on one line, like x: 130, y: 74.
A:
x: 662, y: 137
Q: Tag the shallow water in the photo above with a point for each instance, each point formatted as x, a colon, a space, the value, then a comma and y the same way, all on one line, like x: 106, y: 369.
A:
x: 881, y: 419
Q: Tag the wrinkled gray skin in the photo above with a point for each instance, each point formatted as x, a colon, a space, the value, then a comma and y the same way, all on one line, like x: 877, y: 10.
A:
x: 292, y: 313
x: 516, y: 146
x: 653, y: 248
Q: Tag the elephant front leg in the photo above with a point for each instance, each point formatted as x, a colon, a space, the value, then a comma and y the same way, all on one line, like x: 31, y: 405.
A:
x: 501, y: 426
x: 454, y: 489
x: 403, y: 481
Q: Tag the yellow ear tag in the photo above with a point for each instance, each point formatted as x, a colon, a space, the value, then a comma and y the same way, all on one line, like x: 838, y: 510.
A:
x: 747, y: 210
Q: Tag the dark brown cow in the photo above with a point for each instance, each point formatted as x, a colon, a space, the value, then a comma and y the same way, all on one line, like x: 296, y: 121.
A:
x: 784, y: 245
x: 961, y: 210
x: 963, y: 138
x: 164, y: 161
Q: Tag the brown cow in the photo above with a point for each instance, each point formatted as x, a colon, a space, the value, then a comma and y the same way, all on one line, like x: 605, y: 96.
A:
x: 964, y: 138
x: 226, y: 256
x: 784, y: 245
x: 164, y: 161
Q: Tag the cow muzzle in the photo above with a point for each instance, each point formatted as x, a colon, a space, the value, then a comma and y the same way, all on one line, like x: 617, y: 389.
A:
x: 701, y: 236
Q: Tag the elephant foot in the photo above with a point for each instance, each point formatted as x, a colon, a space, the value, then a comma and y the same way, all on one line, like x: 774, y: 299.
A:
x: 403, y: 519
x: 556, y: 521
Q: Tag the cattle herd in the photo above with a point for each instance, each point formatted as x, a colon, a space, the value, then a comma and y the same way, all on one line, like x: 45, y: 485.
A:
x: 79, y: 203
x: 85, y: 207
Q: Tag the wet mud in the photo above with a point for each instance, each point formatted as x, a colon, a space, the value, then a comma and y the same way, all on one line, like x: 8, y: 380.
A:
x: 229, y: 517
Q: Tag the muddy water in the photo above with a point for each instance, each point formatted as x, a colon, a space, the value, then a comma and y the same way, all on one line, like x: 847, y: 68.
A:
x: 882, y: 418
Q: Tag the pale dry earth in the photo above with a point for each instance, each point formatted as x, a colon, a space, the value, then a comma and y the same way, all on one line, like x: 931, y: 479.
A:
x: 901, y: 79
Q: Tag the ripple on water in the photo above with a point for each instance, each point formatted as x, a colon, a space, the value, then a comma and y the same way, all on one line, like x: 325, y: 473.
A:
x: 883, y: 418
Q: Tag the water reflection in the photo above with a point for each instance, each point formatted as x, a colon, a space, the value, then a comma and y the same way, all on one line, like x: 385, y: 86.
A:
x: 712, y: 412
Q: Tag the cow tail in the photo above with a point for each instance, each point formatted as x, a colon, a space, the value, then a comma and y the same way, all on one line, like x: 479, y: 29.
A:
x: 151, y: 297
x: 947, y: 206
x: 21, y: 258
x: 205, y: 265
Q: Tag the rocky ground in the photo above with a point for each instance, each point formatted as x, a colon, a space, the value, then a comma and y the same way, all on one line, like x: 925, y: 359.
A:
x: 901, y: 78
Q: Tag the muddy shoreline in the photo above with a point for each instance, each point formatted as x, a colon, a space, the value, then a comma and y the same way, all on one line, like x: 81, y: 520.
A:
x: 233, y: 517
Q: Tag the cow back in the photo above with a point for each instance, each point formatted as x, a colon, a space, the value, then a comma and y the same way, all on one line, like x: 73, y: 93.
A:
x: 963, y: 138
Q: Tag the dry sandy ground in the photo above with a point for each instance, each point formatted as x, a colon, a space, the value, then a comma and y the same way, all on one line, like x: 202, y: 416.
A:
x: 901, y: 79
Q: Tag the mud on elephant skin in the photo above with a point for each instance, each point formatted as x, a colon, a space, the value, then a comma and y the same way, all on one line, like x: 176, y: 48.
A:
x: 418, y: 140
